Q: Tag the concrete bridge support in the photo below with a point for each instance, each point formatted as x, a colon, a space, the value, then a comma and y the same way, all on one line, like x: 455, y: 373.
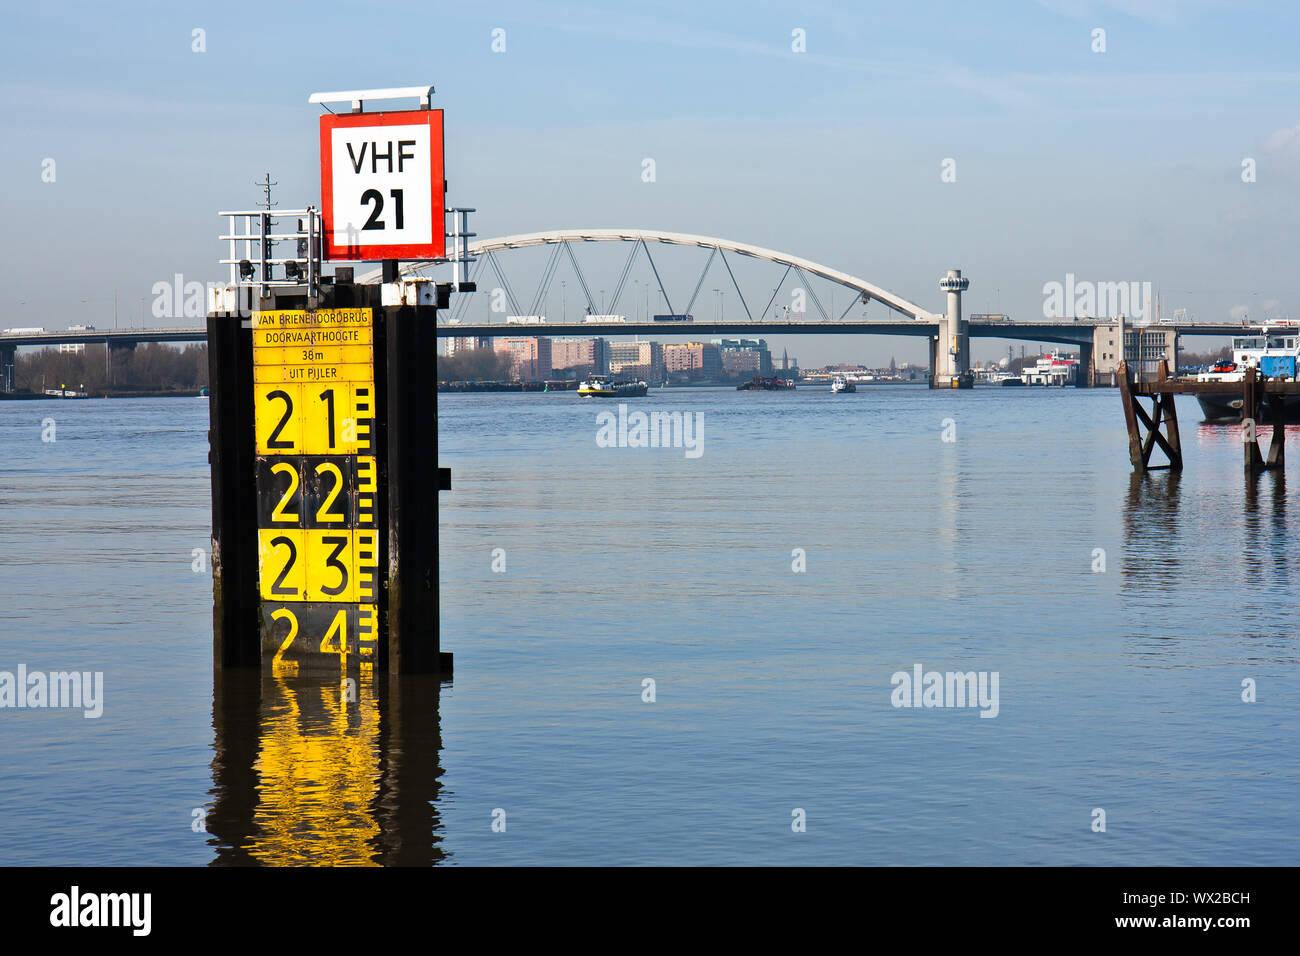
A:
x: 114, y: 354
x: 951, y: 365
x: 1087, y: 371
x: 7, y: 353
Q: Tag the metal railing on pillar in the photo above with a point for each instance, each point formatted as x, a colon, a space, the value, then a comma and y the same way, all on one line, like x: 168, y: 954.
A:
x: 253, y: 238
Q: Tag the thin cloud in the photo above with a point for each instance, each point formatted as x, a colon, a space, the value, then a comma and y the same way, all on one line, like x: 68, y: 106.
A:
x: 1159, y: 12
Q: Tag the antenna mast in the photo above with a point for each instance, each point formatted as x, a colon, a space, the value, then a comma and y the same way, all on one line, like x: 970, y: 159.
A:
x: 266, y: 187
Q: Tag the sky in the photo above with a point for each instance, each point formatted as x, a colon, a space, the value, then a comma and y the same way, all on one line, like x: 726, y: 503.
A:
x: 1171, y: 156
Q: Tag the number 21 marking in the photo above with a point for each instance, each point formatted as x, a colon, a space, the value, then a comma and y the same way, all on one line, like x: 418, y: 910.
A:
x: 327, y: 397
x: 375, y: 196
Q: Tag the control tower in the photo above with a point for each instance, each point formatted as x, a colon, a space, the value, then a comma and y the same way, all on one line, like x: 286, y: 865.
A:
x: 952, y: 351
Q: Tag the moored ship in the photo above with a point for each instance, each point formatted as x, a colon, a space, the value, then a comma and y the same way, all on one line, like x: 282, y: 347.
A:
x: 1273, y: 352
x: 1052, y: 369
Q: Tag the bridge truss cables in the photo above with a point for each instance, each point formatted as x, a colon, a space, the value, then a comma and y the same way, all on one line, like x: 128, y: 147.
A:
x: 736, y: 284
x: 777, y: 289
x: 627, y: 268
x: 501, y: 277
x: 813, y: 293
x: 704, y: 274
x: 581, y: 280
x: 854, y: 301
x: 650, y: 259
x: 547, y: 275
x: 463, y: 300
x: 694, y: 295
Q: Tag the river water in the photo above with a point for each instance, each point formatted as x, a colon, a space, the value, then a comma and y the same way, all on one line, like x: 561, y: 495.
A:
x: 684, y: 655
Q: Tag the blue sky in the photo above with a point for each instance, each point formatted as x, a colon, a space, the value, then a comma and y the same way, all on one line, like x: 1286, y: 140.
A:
x: 1117, y: 166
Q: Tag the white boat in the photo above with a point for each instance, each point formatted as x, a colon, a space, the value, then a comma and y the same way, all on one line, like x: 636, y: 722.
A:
x: 603, y: 386
x: 1052, y: 369
x: 1274, y: 351
x: 841, y: 384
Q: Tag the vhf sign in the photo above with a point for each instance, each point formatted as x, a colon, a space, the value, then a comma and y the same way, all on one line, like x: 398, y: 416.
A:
x: 382, y: 185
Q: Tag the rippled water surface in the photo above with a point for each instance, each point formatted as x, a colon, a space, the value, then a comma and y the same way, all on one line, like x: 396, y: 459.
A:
x: 1121, y: 617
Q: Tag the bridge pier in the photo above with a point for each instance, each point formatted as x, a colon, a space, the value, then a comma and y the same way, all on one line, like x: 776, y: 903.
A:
x: 117, y: 346
x: 951, y: 368
x: 7, y: 353
x: 1087, y: 377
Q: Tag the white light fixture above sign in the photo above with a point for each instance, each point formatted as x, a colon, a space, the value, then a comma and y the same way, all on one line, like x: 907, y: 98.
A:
x: 358, y: 97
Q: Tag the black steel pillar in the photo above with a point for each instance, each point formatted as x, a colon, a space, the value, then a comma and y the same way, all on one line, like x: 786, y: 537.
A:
x: 235, y: 601
x: 410, y: 399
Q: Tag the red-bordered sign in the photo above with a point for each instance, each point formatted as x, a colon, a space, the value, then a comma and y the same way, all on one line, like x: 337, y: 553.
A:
x: 382, y: 185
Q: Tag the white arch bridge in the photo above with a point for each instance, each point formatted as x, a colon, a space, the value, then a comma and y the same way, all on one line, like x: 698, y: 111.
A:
x: 948, y: 332
x: 562, y: 240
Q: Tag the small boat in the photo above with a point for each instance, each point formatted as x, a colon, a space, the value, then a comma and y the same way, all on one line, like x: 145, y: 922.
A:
x: 766, y: 385
x: 841, y: 384
x: 603, y: 386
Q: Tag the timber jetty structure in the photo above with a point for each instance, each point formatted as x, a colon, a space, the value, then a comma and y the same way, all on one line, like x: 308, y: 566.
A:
x: 1159, y: 426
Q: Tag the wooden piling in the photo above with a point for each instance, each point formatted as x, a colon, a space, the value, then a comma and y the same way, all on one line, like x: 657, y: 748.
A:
x: 1277, y: 444
x: 1169, y: 410
x: 1130, y: 418
x: 1250, y: 405
x: 1163, y: 414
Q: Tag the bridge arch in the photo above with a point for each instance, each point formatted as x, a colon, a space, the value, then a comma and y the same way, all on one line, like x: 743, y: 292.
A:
x: 866, y: 290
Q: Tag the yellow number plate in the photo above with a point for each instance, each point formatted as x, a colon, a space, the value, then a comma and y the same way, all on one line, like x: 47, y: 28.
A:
x: 314, y: 418
x: 338, y: 566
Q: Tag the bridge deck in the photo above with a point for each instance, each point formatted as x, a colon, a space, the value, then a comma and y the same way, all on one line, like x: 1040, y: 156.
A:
x: 1065, y: 331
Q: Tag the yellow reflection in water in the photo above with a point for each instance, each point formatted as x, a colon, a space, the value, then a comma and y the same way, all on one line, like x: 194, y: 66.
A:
x: 318, y: 771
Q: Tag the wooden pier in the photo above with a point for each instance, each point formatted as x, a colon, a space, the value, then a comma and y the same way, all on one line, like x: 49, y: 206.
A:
x: 1159, y: 427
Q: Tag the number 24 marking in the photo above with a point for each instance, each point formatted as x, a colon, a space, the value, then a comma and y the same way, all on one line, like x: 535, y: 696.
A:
x: 338, y: 627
